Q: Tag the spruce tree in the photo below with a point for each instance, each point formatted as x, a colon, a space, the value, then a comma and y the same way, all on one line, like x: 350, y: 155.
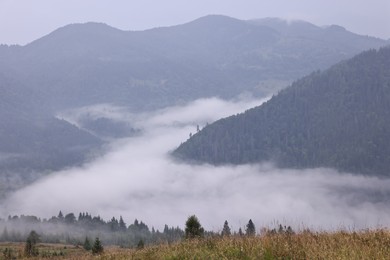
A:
x: 226, y: 229
x: 30, y: 247
x: 141, y: 244
x: 122, y: 224
x: 87, y: 245
x: 240, y: 233
x: 250, y: 228
x: 97, y: 247
x: 193, y: 228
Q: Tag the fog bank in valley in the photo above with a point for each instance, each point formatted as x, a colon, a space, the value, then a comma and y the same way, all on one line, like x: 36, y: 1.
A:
x: 137, y: 178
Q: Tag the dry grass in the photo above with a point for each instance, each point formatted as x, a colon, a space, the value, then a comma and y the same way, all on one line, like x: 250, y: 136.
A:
x: 306, y: 245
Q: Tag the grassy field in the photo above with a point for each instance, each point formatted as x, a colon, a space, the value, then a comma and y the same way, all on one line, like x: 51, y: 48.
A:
x: 305, y: 245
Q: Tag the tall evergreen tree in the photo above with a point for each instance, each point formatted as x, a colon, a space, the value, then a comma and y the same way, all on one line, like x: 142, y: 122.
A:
x: 193, y: 228
x: 226, y: 229
x: 114, y: 224
x: 97, y: 247
x: 87, y: 244
x: 122, y: 224
x: 70, y: 218
x: 250, y: 228
x: 30, y: 247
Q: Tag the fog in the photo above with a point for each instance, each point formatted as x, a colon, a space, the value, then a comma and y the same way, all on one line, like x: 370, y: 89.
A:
x: 137, y: 178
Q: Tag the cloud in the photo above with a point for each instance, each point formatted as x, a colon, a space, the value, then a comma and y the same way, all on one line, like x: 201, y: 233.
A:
x: 138, y: 179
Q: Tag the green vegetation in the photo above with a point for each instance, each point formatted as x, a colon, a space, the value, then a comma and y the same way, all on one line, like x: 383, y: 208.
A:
x: 97, y: 248
x: 193, y: 228
x: 226, y: 229
x: 338, y: 118
x: 87, y: 244
x: 250, y: 228
x: 31, y: 242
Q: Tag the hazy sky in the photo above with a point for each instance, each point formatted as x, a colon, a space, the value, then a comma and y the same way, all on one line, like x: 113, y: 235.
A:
x: 22, y: 21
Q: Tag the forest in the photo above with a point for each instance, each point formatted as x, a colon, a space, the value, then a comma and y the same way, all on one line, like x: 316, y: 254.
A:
x: 338, y: 118
x: 72, y: 230
x: 69, y: 229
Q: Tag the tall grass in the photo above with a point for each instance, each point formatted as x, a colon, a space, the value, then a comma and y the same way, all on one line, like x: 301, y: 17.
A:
x: 369, y: 244
x: 305, y: 245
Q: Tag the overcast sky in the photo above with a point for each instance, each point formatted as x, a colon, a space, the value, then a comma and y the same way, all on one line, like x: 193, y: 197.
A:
x: 22, y: 21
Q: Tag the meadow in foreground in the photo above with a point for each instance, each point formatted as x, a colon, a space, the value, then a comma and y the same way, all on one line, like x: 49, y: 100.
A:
x: 369, y: 244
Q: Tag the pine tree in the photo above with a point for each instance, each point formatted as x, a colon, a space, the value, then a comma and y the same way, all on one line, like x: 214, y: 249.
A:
x: 122, y: 225
x: 240, y: 233
x: 30, y: 247
x: 70, y: 218
x: 250, y: 228
x: 97, y: 247
x: 87, y: 245
x: 140, y: 244
x: 114, y: 224
x: 193, y: 228
x: 226, y: 229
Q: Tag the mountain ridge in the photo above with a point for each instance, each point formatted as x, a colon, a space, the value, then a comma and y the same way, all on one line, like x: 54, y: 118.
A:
x: 83, y: 65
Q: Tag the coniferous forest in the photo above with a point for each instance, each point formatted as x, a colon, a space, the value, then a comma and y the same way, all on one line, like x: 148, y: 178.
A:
x: 338, y: 118
x: 71, y: 229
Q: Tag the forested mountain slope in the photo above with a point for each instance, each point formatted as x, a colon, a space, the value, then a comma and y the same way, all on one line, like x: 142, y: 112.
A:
x: 337, y: 118
x: 88, y: 64
x: 84, y: 64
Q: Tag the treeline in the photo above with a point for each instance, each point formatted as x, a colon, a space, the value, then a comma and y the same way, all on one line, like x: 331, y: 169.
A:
x: 69, y: 229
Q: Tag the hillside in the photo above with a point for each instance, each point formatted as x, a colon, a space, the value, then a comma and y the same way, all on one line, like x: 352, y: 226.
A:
x: 33, y: 142
x: 87, y: 64
x: 337, y: 118
x: 84, y: 64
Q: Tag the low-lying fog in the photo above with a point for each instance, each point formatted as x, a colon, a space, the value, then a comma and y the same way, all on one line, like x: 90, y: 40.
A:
x: 138, y: 179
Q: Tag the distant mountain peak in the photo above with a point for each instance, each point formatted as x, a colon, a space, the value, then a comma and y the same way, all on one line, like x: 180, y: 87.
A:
x: 335, y: 27
x: 80, y: 31
x: 215, y: 21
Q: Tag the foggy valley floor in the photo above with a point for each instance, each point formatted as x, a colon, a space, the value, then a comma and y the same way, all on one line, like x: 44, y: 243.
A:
x: 137, y: 179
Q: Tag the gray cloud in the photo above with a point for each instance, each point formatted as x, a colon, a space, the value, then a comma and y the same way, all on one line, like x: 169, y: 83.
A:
x: 138, y: 179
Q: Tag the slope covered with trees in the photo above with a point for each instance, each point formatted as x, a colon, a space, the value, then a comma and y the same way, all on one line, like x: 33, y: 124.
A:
x: 84, y: 64
x: 338, y: 118
x: 87, y: 64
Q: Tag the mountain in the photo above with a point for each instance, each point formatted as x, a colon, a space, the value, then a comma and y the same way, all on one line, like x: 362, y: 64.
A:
x: 337, y: 118
x: 82, y: 65
x: 33, y: 142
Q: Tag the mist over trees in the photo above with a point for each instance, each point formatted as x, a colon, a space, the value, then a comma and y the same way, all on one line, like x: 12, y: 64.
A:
x: 88, y: 64
x: 337, y: 118
x: 92, y: 232
x: 83, y: 231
